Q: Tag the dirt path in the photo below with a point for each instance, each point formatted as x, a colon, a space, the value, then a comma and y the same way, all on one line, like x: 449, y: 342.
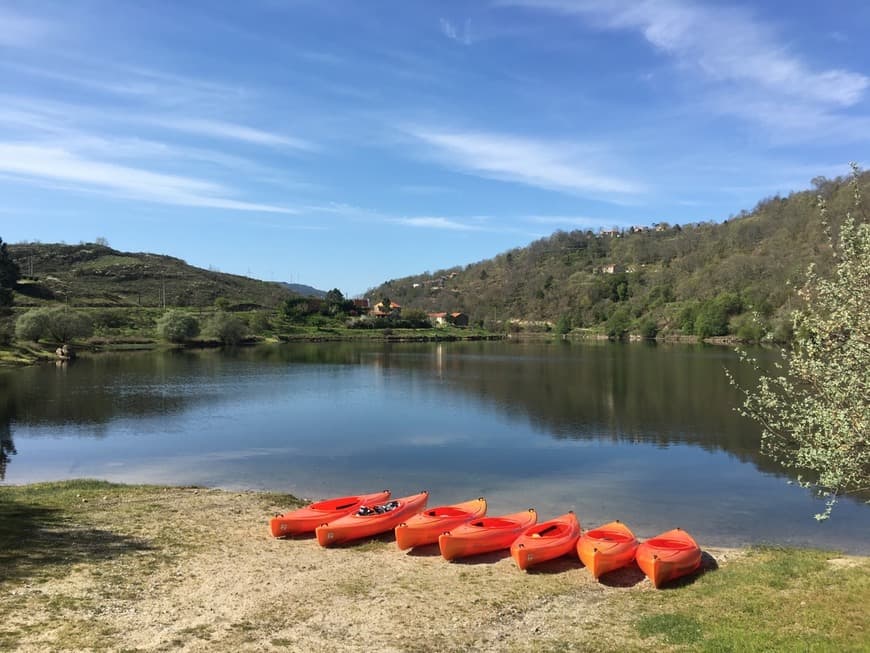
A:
x: 196, y: 570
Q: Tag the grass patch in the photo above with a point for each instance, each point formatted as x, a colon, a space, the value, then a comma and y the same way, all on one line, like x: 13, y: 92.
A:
x: 675, y: 628
x: 773, y: 599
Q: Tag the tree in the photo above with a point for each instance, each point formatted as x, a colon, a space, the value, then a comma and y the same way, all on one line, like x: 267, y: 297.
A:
x: 9, y: 275
x: 814, y: 411
x: 618, y: 324
x: 334, y: 296
x: 226, y: 327
x: 177, y: 326
x: 31, y: 325
x: 60, y: 323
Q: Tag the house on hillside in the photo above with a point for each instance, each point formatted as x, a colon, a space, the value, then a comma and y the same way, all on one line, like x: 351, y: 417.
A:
x: 613, y: 268
x: 379, y: 310
x: 459, y: 319
x: 443, y: 319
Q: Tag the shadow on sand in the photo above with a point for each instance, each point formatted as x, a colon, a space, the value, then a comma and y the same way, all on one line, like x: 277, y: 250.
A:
x: 33, y: 538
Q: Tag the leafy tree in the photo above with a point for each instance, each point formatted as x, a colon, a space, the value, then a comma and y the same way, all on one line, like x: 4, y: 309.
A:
x: 649, y: 329
x: 226, y: 327
x: 334, y: 296
x: 563, y: 325
x: 295, y: 309
x: 416, y: 319
x: 31, y: 325
x: 177, y: 326
x: 618, y: 324
x: 9, y: 275
x: 9, y: 272
x: 60, y: 324
x: 259, y: 322
x: 814, y: 410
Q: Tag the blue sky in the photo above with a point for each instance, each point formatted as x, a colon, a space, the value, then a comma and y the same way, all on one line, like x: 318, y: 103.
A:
x: 344, y: 143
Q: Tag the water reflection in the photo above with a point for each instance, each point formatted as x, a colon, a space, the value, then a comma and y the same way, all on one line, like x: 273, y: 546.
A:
x: 630, y: 431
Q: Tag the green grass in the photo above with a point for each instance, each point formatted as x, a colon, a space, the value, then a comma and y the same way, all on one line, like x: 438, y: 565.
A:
x: 773, y: 599
x: 119, y: 536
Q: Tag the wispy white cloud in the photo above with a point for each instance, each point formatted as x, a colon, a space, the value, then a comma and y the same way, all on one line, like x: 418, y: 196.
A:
x: 453, y: 33
x: 550, y: 165
x: 19, y: 31
x: 231, y: 131
x: 435, y: 222
x: 725, y: 43
x: 52, y: 165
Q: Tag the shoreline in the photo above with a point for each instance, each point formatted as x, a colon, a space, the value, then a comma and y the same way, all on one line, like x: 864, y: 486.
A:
x: 20, y: 355
x: 96, y: 566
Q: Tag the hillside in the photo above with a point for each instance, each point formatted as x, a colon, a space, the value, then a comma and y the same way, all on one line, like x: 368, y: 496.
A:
x: 705, y: 278
x: 97, y: 275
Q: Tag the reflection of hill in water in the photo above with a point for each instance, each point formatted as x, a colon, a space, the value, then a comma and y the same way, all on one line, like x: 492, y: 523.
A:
x: 599, y: 391
x: 640, y: 393
x: 662, y: 394
x: 92, y: 391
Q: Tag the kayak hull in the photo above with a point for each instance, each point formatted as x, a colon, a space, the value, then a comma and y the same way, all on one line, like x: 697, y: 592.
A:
x: 668, y: 556
x: 356, y: 526
x: 425, y: 527
x: 485, y: 535
x: 606, y: 548
x: 546, y: 541
x: 305, y: 520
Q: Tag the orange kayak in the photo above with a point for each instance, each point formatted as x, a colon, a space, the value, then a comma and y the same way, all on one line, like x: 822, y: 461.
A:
x: 306, y: 519
x: 425, y: 527
x: 668, y: 556
x: 485, y: 534
x: 606, y: 548
x: 371, y: 520
x: 546, y: 541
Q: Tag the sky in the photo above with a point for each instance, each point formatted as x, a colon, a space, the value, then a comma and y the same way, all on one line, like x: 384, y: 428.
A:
x: 344, y: 143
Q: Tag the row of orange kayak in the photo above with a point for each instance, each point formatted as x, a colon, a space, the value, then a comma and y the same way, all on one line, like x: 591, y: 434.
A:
x: 463, y: 529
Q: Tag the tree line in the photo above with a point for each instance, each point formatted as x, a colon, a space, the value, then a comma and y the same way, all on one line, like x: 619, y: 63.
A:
x: 707, y: 279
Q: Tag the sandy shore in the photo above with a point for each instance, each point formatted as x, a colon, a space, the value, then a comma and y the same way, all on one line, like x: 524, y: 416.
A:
x: 202, y: 573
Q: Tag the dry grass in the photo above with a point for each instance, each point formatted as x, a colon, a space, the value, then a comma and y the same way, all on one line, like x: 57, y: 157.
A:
x: 93, y: 566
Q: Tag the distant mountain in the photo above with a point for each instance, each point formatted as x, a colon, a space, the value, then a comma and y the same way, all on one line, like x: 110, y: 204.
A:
x: 304, y: 291
x: 702, y: 279
x: 96, y: 275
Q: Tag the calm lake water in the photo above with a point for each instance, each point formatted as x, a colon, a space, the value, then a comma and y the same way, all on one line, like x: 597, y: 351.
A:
x: 643, y: 433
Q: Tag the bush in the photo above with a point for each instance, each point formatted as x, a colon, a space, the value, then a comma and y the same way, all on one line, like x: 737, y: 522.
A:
x: 649, y: 329
x: 60, y: 323
x: 259, y: 322
x: 177, y: 326
x: 226, y: 327
x: 751, y: 329
x: 618, y: 324
x: 31, y: 325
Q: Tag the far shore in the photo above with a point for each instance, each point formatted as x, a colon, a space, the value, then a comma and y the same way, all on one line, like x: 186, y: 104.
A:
x: 89, y: 565
x: 24, y: 354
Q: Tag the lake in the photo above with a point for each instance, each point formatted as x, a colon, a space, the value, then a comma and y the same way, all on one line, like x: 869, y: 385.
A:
x: 643, y: 433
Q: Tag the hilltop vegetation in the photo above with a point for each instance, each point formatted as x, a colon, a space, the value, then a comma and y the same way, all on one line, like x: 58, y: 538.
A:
x: 94, y: 296
x: 702, y: 279
x: 96, y: 275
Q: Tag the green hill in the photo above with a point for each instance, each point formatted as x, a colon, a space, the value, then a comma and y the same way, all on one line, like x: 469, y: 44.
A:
x: 703, y: 279
x: 93, y: 275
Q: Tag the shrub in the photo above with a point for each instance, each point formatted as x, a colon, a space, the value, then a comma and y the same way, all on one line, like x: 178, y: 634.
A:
x: 177, y: 326
x: 60, y: 323
x: 226, y: 327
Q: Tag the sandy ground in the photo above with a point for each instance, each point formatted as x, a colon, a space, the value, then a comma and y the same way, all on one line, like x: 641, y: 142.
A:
x: 198, y: 571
